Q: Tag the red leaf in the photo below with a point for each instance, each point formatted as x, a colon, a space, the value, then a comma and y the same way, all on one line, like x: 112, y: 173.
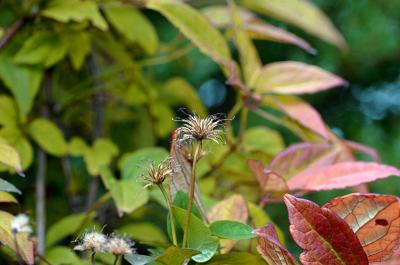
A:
x: 323, y: 235
x: 375, y: 219
x: 357, y: 147
x: 341, y: 175
x: 268, y: 180
x: 271, y: 249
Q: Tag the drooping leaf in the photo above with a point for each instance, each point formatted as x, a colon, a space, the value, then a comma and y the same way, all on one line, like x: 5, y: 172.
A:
x: 324, y: 237
x: 303, y: 156
x: 295, y: 78
x: 44, y: 48
x: 6, y: 197
x: 9, y: 156
x: 17, y: 140
x: 271, y: 249
x: 136, y: 164
x: 231, y: 230
x: 233, y: 208
x: 302, y: 112
x: 341, y: 175
x: 357, y: 147
x: 133, y: 25
x: 249, y: 58
x: 25, y: 245
x: 66, y: 226
x: 180, y: 180
x: 79, y: 46
x: 8, y: 187
x: 208, y: 250
x: 128, y: 194
x: 48, y: 136
x: 75, y: 10
x: 301, y: 13
x: 268, y: 180
x: 195, y: 27
x: 220, y: 16
x: 175, y: 256
x: 375, y: 219
x: 23, y: 81
x: 261, y: 30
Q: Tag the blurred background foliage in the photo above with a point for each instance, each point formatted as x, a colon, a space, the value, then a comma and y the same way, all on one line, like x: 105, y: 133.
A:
x: 133, y: 102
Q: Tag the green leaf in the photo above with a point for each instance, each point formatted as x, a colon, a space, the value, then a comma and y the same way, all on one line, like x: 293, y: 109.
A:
x: 263, y: 139
x: 79, y: 46
x: 66, y: 226
x: 61, y: 256
x: 195, y: 27
x: 128, y: 194
x: 75, y: 10
x: 136, y: 259
x: 8, y: 187
x: 146, y: 232
x: 164, y: 123
x: 177, y: 92
x: 133, y: 25
x: 44, y: 48
x: 8, y: 112
x: 22, y: 81
x: 100, y: 155
x: 301, y: 13
x: 237, y: 258
x: 232, y: 230
x: 136, y: 164
x: 25, y: 246
x: 208, y: 250
x: 48, y: 136
x: 6, y: 197
x: 181, y: 200
x: 9, y: 156
x: 175, y: 256
x: 77, y: 147
x: 249, y: 58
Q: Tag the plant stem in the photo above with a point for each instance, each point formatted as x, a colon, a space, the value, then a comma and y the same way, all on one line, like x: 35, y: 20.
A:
x: 191, y: 194
x: 171, y: 214
x: 41, y: 199
x: 92, y: 258
x: 116, y: 260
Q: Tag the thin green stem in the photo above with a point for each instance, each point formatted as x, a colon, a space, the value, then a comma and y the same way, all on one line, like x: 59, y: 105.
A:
x: 191, y: 194
x: 116, y: 260
x: 244, y: 114
x: 92, y: 258
x: 171, y: 214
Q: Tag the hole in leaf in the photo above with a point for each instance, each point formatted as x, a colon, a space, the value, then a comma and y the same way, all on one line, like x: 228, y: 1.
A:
x: 382, y: 222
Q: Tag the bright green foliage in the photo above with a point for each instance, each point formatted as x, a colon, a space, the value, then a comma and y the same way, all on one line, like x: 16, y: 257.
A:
x: 231, y: 230
x: 9, y: 156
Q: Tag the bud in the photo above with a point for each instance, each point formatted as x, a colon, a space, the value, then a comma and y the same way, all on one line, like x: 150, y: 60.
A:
x: 196, y: 128
x: 157, y: 174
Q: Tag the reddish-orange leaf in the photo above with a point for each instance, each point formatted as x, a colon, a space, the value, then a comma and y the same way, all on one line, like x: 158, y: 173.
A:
x: 324, y: 237
x: 269, y: 181
x: 341, y: 175
x: 375, y: 219
x: 303, y: 113
x: 299, y: 157
x: 271, y: 249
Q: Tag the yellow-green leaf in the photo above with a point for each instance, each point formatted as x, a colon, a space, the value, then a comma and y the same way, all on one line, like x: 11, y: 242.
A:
x: 100, y: 155
x: 48, y: 136
x: 144, y: 232
x: 13, y: 136
x: 195, y: 27
x: 75, y: 10
x: 263, y: 139
x: 8, y: 111
x: 133, y: 25
x: 301, y: 13
x: 295, y: 78
x: 9, y: 156
x: 61, y: 256
x: 250, y: 61
x: 175, y: 256
x: 79, y: 46
x: 6, y: 197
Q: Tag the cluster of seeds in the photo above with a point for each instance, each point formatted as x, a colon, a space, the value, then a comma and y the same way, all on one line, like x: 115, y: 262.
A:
x: 98, y: 242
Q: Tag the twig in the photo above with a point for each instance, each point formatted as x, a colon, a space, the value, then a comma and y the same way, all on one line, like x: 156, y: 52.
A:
x: 116, y: 260
x: 171, y: 214
x: 93, y: 259
x: 11, y: 32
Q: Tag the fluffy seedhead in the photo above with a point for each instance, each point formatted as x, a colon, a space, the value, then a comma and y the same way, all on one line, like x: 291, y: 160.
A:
x: 196, y: 128
x: 20, y: 224
x: 92, y: 241
x: 119, y: 245
x: 156, y: 175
